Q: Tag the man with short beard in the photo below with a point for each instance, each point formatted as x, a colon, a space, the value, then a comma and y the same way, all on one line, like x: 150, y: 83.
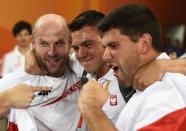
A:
x: 131, y: 37
x: 56, y: 109
x: 88, y: 50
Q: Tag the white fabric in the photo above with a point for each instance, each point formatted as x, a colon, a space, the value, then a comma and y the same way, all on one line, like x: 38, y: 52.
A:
x: 111, y: 110
x: 13, y: 61
x: 61, y: 115
x: 156, y: 101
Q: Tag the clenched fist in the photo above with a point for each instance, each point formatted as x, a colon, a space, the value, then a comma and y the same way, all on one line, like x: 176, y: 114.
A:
x: 93, y: 95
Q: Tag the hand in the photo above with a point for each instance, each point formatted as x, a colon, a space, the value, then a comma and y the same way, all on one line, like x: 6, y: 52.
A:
x: 31, y: 64
x: 21, y: 96
x: 149, y: 74
x: 93, y: 95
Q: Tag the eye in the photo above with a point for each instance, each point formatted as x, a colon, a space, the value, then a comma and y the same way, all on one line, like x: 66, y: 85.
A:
x: 75, y: 48
x: 112, y: 45
x: 60, y: 43
x: 89, y: 44
x: 43, y: 44
x: 104, y: 46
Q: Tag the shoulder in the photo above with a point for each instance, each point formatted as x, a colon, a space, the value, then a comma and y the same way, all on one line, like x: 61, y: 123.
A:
x: 11, y: 79
x: 75, y: 65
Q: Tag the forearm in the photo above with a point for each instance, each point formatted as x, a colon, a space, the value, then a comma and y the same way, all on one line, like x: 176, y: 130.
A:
x: 96, y: 120
x: 4, y: 105
x: 177, y: 65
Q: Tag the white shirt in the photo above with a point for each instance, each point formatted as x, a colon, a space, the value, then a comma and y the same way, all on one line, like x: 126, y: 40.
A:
x: 13, y: 61
x: 57, y: 111
x: 156, y: 101
x: 115, y: 102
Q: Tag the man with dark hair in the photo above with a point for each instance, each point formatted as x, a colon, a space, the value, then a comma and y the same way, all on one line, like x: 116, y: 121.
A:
x: 20, y: 26
x: 15, y: 60
x: 131, y: 37
x: 88, y: 50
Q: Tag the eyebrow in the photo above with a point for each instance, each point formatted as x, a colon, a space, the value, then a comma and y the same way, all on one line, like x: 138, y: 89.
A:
x: 87, y: 41
x: 40, y: 40
x: 112, y: 42
x: 61, y: 40
x: 82, y: 43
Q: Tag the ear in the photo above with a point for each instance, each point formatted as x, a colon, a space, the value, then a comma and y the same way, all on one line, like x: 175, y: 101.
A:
x: 33, y: 45
x: 70, y: 42
x: 145, y: 43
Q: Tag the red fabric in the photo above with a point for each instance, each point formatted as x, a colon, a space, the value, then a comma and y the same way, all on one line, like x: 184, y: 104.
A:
x: 12, y: 127
x: 67, y: 92
x: 80, y: 122
x: 174, y: 121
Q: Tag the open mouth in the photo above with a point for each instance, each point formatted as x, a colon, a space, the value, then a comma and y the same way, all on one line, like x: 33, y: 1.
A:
x: 114, y: 68
x: 53, y: 62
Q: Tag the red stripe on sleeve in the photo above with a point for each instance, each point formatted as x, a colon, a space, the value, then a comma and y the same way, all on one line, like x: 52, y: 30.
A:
x: 12, y: 127
x: 174, y: 121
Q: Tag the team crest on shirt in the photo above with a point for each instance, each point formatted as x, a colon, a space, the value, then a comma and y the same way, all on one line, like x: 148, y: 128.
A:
x: 113, y: 100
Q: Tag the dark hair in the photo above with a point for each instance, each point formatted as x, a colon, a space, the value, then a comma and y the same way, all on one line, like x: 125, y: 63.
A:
x: 86, y: 18
x: 21, y: 25
x: 133, y: 20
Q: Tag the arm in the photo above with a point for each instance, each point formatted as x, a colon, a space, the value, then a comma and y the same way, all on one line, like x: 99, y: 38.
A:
x: 4, y: 105
x: 177, y: 65
x: 31, y: 64
x: 19, y: 97
x: 92, y: 97
x: 155, y: 71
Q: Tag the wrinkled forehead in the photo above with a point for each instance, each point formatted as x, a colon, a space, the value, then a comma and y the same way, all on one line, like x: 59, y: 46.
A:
x: 52, y: 32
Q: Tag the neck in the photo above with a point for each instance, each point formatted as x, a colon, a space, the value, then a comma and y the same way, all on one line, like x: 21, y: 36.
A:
x: 23, y: 50
x: 102, y: 71
x: 151, y: 56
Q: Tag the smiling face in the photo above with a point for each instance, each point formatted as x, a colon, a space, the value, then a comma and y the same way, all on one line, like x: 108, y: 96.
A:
x: 88, y: 48
x: 122, y: 55
x: 51, y: 47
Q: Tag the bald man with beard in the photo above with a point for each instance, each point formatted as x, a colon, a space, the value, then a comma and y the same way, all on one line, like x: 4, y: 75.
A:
x: 56, y: 109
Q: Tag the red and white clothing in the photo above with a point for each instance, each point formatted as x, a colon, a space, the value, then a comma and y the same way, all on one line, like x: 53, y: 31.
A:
x: 56, y: 111
x: 13, y: 61
x: 115, y: 102
x: 147, y: 108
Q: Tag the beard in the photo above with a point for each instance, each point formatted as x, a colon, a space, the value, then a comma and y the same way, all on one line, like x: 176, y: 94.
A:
x: 52, y: 70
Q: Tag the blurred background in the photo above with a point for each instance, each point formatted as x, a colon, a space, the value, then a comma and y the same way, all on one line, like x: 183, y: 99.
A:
x: 169, y: 12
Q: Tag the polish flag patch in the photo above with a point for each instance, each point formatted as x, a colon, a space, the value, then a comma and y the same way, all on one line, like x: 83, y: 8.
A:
x: 113, y: 100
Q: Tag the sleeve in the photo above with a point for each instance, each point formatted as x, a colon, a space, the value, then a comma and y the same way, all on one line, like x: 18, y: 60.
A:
x: 75, y: 65
x: 162, y: 99
x: 9, y: 81
x: 6, y: 66
x: 174, y: 121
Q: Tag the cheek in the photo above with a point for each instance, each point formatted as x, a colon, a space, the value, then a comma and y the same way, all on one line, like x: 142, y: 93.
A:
x: 41, y: 51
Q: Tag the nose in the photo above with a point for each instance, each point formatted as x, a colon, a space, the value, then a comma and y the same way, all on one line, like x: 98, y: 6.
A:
x: 52, y: 51
x: 107, y: 56
x: 82, y: 52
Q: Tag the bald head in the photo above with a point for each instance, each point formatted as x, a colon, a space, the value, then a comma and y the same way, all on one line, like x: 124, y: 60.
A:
x: 51, y: 22
x: 51, y: 44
